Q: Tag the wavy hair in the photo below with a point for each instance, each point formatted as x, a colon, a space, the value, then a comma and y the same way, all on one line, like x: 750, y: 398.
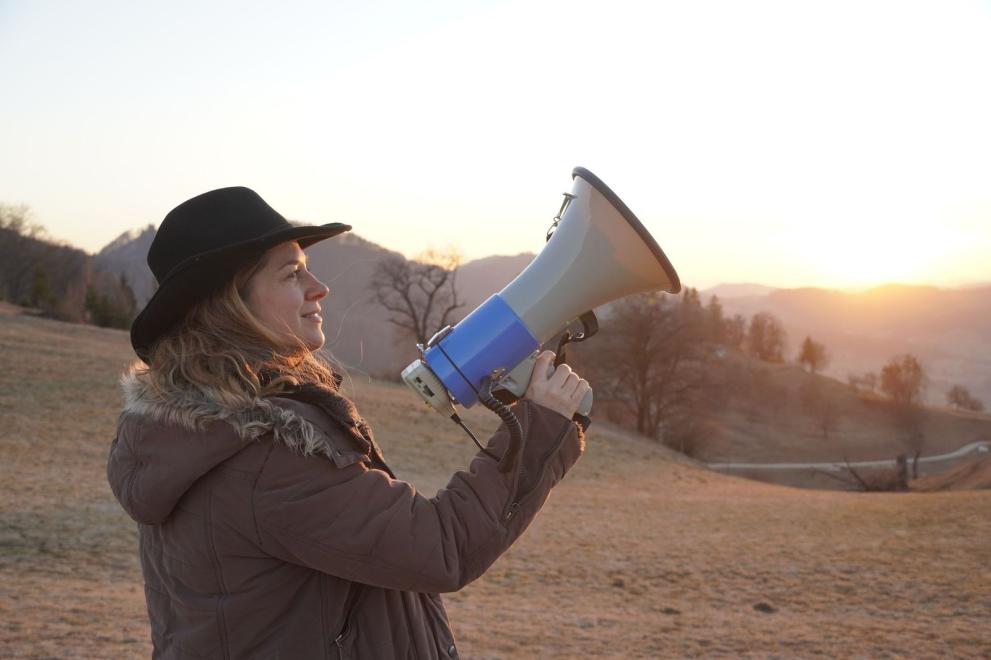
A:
x: 222, y: 351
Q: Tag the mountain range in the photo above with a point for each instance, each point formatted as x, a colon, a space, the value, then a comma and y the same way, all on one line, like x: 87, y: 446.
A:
x: 949, y: 330
x: 358, y: 331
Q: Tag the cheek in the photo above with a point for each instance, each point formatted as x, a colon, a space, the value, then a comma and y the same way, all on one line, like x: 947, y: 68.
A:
x: 266, y: 304
x: 277, y: 305
x: 284, y: 306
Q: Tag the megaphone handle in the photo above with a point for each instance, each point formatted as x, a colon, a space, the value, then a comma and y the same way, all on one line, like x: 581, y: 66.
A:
x: 590, y: 324
x: 585, y: 407
x: 562, y: 349
x: 518, y: 380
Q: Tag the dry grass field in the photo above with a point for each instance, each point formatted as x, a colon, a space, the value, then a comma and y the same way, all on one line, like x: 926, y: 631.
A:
x: 638, y: 553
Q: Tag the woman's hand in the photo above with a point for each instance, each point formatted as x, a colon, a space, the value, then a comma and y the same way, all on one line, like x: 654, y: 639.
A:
x: 562, y: 391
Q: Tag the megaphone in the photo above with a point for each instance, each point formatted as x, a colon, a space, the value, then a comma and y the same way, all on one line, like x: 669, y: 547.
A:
x: 599, y: 251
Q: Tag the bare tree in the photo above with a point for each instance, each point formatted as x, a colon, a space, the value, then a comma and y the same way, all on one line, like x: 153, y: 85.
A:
x: 654, y: 359
x: 766, y: 337
x: 421, y: 295
x: 909, y: 421
x: 960, y: 398
x: 878, y: 481
x: 863, y: 384
x: 735, y: 331
x: 813, y: 355
x: 17, y: 218
x: 715, y: 321
x: 903, y: 379
x: 19, y: 238
x: 821, y: 405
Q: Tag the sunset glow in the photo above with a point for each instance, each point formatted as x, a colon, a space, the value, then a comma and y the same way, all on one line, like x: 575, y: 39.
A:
x: 835, y: 144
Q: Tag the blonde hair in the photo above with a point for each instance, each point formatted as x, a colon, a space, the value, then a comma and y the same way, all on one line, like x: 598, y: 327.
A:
x: 224, y: 352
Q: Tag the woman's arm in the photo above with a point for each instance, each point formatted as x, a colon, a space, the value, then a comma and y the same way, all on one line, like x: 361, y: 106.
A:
x: 360, y: 524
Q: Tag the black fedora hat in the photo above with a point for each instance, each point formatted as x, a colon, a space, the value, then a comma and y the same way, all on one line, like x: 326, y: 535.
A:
x: 201, y: 244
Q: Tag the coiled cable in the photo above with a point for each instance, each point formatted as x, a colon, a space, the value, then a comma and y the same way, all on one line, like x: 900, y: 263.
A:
x: 512, y: 423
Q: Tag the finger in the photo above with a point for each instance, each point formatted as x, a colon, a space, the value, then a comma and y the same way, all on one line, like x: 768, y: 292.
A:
x: 543, y: 365
x: 560, y: 375
x: 582, y: 388
x: 570, y: 384
x: 580, y: 391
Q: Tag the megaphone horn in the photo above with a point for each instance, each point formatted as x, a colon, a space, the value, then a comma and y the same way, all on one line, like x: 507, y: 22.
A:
x: 598, y: 252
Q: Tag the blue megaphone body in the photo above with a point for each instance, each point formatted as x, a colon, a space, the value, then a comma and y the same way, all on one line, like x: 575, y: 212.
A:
x: 598, y: 252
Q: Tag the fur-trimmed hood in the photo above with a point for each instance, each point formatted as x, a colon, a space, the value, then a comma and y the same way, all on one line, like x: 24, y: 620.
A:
x: 195, y: 411
x: 166, y: 442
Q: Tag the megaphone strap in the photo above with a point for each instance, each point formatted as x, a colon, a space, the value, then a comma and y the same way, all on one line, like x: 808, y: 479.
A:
x: 591, y: 325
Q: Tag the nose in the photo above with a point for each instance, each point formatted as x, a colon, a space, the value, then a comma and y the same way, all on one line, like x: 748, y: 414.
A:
x: 317, y: 289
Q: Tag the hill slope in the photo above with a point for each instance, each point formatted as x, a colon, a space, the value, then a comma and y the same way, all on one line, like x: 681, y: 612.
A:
x: 637, y: 554
x: 770, y: 424
x: 948, y: 329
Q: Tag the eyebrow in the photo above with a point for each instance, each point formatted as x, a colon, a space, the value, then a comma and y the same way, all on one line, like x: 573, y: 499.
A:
x: 293, y: 262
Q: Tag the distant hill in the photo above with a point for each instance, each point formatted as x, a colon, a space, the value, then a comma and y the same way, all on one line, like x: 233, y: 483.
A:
x: 50, y: 276
x: 127, y: 255
x: 741, y: 290
x: 358, y: 331
x: 948, y: 329
x: 479, y: 279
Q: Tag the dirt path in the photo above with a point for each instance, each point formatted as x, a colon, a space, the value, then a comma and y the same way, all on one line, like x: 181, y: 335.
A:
x: 974, y: 448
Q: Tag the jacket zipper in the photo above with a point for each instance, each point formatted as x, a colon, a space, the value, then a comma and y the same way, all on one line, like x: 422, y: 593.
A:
x: 350, y: 607
x: 517, y: 501
x: 337, y: 640
x: 221, y: 599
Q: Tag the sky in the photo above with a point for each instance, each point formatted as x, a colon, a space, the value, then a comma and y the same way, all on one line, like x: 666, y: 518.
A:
x: 837, y: 144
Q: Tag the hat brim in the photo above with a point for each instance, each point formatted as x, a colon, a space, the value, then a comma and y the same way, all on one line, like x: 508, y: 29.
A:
x: 194, y: 280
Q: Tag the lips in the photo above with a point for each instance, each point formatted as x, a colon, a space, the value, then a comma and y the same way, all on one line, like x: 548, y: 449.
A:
x: 313, y: 316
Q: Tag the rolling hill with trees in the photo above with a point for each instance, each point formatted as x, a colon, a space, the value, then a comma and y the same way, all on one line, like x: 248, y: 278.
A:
x: 949, y: 330
x: 725, y: 390
x: 723, y: 379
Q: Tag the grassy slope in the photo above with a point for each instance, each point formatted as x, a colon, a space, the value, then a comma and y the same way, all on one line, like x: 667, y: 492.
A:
x: 780, y: 430
x: 637, y: 553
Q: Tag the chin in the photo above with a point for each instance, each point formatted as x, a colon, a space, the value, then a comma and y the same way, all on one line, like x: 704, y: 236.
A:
x: 315, y: 343
x: 308, y: 341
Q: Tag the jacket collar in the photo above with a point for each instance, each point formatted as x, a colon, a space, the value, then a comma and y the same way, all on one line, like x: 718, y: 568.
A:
x: 194, y: 410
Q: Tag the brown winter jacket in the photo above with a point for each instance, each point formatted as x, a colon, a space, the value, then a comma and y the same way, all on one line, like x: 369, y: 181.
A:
x: 279, y: 532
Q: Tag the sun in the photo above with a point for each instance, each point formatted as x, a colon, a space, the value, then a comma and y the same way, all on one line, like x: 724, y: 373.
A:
x: 875, y: 253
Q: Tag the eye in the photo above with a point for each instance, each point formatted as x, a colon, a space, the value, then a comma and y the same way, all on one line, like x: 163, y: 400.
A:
x: 294, y: 275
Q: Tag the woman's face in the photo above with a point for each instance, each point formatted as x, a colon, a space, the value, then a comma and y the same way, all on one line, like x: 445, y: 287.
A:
x: 285, y: 296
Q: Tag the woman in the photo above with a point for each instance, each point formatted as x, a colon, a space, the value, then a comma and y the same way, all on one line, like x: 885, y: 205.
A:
x: 269, y: 524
